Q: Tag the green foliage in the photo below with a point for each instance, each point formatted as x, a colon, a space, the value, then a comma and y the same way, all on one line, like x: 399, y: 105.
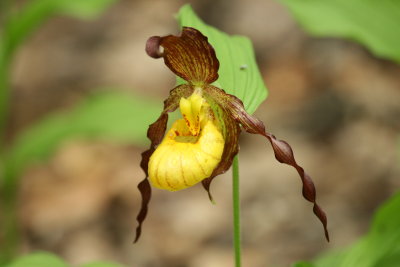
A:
x: 20, y: 23
x: 38, y: 259
x: 302, y: 264
x: 379, y: 248
x: 112, y: 116
x: 101, y: 264
x: 372, y: 23
x: 238, y: 73
x: 45, y: 259
x: 16, y: 25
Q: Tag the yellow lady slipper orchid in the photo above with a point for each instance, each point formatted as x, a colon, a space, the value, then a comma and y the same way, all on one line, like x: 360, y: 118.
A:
x: 202, y: 144
x: 190, y: 150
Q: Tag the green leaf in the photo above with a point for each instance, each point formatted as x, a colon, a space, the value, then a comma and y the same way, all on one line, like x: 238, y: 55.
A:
x: 238, y: 73
x: 382, y: 241
x: 303, y: 264
x: 102, y: 264
x: 372, y: 23
x: 107, y: 115
x: 38, y: 259
x: 387, y: 218
x: 379, y: 248
x: 22, y: 22
x: 46, y: 259
x: 330, y: 259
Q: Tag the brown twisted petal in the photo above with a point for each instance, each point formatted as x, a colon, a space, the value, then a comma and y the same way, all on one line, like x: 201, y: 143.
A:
x: 231, y: 132
x: 156, y: 133
x: 283, y: 152
x: 189, y: 55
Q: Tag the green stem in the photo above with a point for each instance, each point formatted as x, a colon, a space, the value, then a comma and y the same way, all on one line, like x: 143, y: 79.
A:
x: 8, y: 185
x: 236, y: 211
x: 8, y: 225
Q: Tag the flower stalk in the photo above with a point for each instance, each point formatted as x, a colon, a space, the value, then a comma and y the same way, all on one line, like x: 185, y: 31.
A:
x: 236, y: 212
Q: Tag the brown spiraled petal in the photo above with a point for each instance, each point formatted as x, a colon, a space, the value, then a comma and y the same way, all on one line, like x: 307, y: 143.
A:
x: 156, y: 133
x: 231, y: 132
x: 153, y: 47
x: 283, y: 152
x: 190, y: 56
x: 145, y: 190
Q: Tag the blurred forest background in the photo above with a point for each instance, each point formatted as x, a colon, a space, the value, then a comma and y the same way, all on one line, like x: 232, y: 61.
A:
x: 331, y: 99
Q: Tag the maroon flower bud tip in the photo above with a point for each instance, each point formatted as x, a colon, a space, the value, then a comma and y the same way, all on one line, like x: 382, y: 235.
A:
x: 153, y: 47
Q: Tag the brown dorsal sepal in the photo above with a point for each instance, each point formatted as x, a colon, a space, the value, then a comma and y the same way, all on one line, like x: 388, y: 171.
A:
x: 189, y: 55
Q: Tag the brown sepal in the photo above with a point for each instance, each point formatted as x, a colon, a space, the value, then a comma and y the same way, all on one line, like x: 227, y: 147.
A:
x: 283, y: 152
x: 231, y: 132
x: 156, y: 133
x: 189, y: 55
x: 145, y: 190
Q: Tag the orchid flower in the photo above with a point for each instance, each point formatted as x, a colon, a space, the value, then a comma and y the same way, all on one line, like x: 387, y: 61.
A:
x: 202, y: 144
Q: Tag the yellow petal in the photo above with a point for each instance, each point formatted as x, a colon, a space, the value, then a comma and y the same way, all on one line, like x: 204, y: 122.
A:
x: 190, y: 109
x: 178, y: 163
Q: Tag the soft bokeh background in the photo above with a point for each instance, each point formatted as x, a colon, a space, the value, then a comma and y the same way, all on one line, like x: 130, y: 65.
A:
x: 332, y: 100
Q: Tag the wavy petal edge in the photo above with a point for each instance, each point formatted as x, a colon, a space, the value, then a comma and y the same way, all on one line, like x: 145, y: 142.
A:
x: 156, y: 133
x: 282, y: 150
